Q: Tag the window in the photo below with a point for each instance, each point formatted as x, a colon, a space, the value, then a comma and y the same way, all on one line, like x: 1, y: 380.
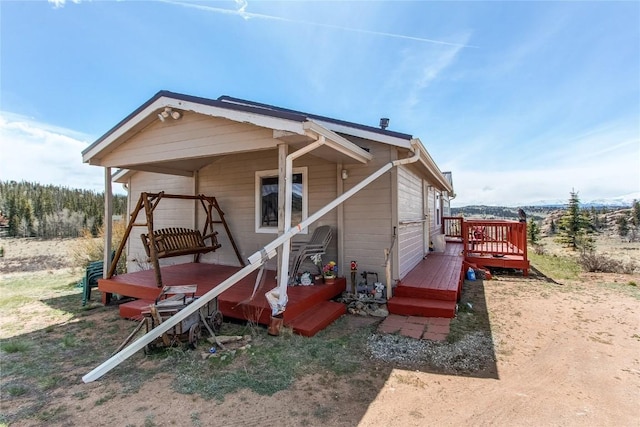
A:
x: 267, y: 199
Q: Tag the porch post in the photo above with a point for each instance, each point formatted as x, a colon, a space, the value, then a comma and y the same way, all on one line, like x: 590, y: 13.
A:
x: 196, y: 208
x: 283, y: 151
x: 108, y: 221
x: 342, y: 262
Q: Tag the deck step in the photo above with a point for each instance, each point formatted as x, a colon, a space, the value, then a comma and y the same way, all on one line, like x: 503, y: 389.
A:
x: 423, y: 307
x: 317, y: 318
x: 427, y: 293
x: 133, y: 309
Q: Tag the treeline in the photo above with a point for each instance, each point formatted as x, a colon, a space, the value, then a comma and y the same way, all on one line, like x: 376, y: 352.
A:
x: 48, y: 211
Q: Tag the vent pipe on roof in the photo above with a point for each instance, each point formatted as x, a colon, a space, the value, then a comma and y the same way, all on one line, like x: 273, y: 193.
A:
x: 384, y: 123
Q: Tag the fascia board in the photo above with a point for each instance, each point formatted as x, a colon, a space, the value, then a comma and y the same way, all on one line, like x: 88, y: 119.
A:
x: 239, y: 116
x: 339, y: 143
x: 121, y: 175
x: 361, y: 133
x: 430, y: 164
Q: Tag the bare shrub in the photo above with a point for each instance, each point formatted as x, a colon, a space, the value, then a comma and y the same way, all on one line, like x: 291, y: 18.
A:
x: 91, y: 248
x: 594, y: 262
x: 539, y: 249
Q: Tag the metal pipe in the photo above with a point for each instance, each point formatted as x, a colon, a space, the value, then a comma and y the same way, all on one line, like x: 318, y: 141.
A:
x: 283, y: 277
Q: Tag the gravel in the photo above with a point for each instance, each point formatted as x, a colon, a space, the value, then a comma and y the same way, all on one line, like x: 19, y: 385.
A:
x: 471, y: 354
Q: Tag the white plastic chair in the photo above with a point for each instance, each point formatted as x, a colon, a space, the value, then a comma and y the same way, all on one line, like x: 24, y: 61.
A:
x: 317, y: 245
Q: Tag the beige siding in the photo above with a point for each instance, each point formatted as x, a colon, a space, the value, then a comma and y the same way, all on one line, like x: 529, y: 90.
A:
x: 435, y: 227
x: 168, y: 213
x: 411, y: 226
x: 192, y: 136
x: 232, y: 181
x: 432, y: 211
x: 368, y: 226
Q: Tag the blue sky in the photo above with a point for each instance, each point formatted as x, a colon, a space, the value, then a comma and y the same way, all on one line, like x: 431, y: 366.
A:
x: 522, y: 101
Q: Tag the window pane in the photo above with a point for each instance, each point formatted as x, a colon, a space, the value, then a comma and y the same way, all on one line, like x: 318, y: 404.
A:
x: 269, y: 192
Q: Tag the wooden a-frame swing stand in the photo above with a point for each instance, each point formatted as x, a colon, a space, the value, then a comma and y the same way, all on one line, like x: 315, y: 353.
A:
x: 168, y: 242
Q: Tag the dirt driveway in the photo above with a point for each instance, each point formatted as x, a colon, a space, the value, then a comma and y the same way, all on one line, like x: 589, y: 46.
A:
x: 566, y: 356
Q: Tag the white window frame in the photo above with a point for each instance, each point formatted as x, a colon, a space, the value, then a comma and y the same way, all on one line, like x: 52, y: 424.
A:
x: 258, y: 198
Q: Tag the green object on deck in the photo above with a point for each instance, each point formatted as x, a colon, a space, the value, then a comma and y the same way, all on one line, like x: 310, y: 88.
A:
x: 90, y: 280
x: 93, y: 272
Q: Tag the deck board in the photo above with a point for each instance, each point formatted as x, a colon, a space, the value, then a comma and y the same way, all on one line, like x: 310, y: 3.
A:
x: 435, y: 277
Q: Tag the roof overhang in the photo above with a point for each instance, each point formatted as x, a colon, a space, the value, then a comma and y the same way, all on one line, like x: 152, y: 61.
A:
x: 402, y: 142
x: 294, y: 129
x: 439, y: 180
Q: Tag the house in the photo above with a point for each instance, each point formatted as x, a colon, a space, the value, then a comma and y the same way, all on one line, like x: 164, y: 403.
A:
x: 236, y: 150
x: 274, y: 176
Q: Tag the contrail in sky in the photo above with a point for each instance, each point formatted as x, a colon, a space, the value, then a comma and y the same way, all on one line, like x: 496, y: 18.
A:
x: 248, y: 15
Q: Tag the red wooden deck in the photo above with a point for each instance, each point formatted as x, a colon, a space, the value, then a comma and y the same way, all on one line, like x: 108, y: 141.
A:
x: 433, y: 287
x: 490, y: 243
x: 308, y: 311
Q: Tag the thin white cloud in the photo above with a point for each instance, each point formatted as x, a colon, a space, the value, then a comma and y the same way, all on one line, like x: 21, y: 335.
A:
x: 241, y: 11
x: 37, y: 152
x: 428, y: 66
x: 60, y: 3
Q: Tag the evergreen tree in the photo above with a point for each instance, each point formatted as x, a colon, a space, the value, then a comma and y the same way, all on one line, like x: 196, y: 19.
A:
x: 623, y: 225
x: 595, y: 219
x: 533, y: 232
x: 552, y: 227
x: 574, y: 225
x: 635, y: 215
x: 50, y: 211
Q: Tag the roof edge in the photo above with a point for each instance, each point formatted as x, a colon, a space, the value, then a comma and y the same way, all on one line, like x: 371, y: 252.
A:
x: 230, y: 99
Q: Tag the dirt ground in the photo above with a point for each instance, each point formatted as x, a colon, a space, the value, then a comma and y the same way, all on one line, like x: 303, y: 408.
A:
x: 566, y: 354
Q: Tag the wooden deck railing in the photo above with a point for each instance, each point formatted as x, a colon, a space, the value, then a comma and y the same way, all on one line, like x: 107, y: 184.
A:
x: 495, y: 237
x: 452, y: 226
x: 488, y: 237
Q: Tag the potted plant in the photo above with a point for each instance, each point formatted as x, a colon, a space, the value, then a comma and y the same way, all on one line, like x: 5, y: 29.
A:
x: 329, y: 272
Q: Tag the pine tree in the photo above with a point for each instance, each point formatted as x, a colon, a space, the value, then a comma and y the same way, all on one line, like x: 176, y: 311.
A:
x: 533, y: 232
x: 635, y: 215
x: 623, y: 226
x: 574, y: 225
x: 50, y: 211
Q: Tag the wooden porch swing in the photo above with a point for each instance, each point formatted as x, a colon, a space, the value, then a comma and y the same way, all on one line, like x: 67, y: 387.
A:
x: 175, y: 241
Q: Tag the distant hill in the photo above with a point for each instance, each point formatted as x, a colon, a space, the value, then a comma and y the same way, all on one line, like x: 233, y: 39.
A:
x: 501, y: 212
x: 603, y: 219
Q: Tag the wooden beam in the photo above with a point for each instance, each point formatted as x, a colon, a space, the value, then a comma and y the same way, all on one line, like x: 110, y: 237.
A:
x: 108, y: 220
x: 283, y: 151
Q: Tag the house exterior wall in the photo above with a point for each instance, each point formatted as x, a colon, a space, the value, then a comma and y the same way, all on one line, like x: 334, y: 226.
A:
x: 168, y: 213
x: 446, y: 204
x: 431, y: 203
x: 231, y: 180
x: 194, y: 135
x: 395, y: 199
x: 368, y: 218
